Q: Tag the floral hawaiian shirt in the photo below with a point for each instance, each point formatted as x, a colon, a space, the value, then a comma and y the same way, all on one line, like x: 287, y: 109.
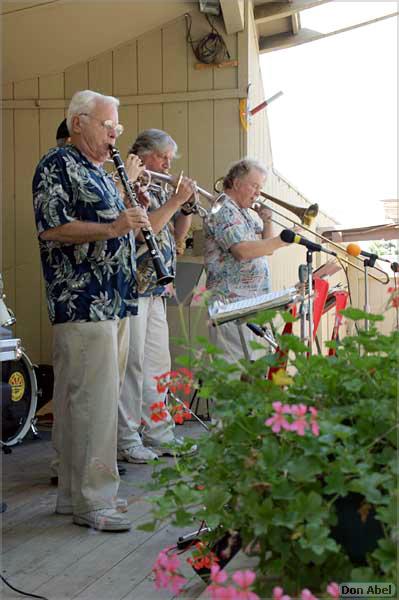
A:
x: 93, y: 281
x: 226, y: 276
x: 146, y: 276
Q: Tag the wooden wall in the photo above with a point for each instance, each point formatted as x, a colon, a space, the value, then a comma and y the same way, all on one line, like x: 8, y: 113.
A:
x: 158, y: 85
x: 156, y: 81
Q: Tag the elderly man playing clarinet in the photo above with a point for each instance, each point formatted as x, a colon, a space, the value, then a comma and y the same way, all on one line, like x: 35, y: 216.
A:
x: 237, y: 242
x: 87, y: 247
x: 149, y: 354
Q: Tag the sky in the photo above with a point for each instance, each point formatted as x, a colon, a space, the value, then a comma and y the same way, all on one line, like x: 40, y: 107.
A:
x: 334, y: 129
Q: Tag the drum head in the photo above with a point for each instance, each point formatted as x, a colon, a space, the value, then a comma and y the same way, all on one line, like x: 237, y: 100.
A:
x: 18, y: 407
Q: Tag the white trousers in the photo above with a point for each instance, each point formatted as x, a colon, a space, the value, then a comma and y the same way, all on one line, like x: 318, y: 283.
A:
x: 88, y: 359
x: 148, y: 357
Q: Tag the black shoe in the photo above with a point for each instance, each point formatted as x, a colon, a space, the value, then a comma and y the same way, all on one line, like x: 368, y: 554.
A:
x: 121, y: 469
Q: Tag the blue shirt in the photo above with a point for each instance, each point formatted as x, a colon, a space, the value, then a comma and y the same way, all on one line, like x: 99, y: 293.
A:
x: 93, y: 281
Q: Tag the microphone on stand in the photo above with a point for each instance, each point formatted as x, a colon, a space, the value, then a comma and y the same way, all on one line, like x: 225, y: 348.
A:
x: 290, y: 237
x: 355, y: 250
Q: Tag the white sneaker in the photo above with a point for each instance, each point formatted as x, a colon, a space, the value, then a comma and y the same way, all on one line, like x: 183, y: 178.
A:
x: 139, y: 455
x: 175, y: 447
x: 105, y: 519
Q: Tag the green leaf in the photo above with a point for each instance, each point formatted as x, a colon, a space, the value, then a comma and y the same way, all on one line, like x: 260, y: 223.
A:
x: 304, y: 468
x: 356, y: 314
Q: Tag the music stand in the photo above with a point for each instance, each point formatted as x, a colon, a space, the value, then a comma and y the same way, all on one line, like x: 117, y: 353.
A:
x: 187, y: 278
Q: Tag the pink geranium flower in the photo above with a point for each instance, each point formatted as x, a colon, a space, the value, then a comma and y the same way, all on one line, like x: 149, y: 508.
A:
x: 333, y: 590
x: 307, y: 595
x: 166, y: 572
x: 300, y: 423
x: 278, y: 421
x: 313, y: 421
x: 278, y: 594
x: 217, y: 575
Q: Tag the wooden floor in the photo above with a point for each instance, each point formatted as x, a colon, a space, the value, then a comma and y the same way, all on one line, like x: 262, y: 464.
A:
x: 46, y: 554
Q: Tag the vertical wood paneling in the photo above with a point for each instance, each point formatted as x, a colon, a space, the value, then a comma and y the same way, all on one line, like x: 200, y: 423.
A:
x: 52, y: 86
x: 150, y: 115
x: 100, y: 74
x: 175, y: 123
x: 125, y: 70
x: 128, y: 117
x: 8, y: 192
x: 200, y: 126
x: 7, y: 92
x: 227, y: 134
x: 28, y: 88
x: 227, y: 77
x: 174, y: 57
x: 149, y: 49
x: 27, y: 280
x: 76, y: 79
x: 49, y: 121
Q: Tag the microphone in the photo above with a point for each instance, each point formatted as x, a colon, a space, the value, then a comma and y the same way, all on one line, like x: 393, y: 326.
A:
x: 355, y: 250
x: 395, y: 267
x: 290, y: 237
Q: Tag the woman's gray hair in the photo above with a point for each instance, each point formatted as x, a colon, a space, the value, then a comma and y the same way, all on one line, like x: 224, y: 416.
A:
x: 153, y: 140
x: 85, y: 102
x: 240, y: 169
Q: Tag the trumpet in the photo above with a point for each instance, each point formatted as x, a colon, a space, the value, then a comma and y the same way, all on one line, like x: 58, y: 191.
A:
x: 306, y: 215
x: 193, y: 205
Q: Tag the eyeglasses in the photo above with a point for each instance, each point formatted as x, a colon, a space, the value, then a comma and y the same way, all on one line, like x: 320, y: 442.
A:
x: 107, y: 124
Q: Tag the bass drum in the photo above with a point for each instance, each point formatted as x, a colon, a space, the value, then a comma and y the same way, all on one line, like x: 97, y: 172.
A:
x: 18, y: 406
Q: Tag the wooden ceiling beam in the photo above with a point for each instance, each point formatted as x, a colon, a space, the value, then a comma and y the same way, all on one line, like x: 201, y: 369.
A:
x: 277, y: 10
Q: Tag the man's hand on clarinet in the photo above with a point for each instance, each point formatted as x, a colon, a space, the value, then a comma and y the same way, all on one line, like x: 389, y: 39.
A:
x: 130, y: 219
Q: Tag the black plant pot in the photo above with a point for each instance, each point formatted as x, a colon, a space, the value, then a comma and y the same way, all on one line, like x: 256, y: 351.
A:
x: 357, y: 530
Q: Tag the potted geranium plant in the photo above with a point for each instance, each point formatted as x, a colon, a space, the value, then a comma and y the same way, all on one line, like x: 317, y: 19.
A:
x: 288, y: 458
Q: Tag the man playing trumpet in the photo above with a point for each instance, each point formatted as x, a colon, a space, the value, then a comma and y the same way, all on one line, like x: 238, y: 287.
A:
x: 237, y: 242
x: 149, y: 354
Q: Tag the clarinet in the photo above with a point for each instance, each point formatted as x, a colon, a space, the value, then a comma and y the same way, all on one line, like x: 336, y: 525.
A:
x: 163, y: 275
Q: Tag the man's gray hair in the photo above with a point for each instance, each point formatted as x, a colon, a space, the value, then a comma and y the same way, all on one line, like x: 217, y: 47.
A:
x: 153, y: 140
x: 85, y: 102
x: 240, y: 169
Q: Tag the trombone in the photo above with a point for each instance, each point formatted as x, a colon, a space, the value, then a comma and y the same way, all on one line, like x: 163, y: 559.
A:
x: 306, y: 215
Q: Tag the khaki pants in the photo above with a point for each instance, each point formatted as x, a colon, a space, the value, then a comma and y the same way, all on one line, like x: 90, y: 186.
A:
x: 227, y: 338
x: 149, y: 356
x: 89, y: 360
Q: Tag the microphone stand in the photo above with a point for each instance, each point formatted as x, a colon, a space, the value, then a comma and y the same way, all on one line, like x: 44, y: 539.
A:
x: 303, y: 276
x: 368, y: 262
x: 309, y: 263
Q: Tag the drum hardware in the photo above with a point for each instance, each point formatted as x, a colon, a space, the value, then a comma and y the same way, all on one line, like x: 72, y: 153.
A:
x: 7, y: 317
x: 18, y: 411
x: 18, y: 378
